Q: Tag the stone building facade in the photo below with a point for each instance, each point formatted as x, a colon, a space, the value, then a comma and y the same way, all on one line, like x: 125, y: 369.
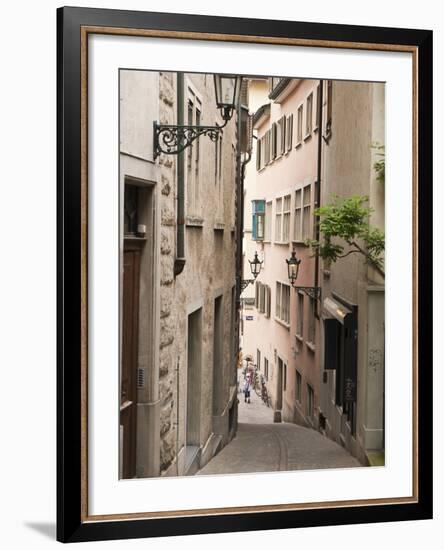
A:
x: 178, y: 279
x: 352, y: 291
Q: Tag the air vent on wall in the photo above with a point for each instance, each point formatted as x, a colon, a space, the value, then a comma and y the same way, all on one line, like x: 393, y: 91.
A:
x: 140, y: 378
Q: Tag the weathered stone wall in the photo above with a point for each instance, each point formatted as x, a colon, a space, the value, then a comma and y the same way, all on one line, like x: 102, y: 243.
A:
x: 167, y: 101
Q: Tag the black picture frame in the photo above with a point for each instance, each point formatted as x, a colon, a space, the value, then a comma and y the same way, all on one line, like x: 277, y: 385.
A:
x: 71, y: 523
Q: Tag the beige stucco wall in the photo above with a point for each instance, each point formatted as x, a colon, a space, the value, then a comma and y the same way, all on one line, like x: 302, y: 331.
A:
x: 357, y: 122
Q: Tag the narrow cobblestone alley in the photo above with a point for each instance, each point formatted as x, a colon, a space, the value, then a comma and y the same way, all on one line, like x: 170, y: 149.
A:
x: 264, y: 446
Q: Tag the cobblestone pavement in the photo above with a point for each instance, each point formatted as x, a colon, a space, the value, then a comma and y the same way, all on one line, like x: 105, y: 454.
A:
x: 263, y: 446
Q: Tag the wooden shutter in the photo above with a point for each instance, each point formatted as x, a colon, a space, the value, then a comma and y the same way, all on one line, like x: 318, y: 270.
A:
x: 289, y: 132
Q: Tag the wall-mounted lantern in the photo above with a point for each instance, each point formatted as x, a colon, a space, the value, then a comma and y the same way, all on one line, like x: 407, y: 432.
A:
x: 172, y: 139
x: 293, y: 264
x: 255, y: 268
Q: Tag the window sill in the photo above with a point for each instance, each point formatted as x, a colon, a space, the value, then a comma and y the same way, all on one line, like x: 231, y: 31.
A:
x: 282, y: 243
x: 299, y: 243
x: 133, y: 238
x: 311, y: 346
x: 298, y: 144
x: 283, y: 323
x: 307, y: 137
x: 299, y: 337
x: 194, y: 221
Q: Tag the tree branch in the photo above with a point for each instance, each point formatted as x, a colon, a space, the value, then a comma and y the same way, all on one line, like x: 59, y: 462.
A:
x: 368, y: 256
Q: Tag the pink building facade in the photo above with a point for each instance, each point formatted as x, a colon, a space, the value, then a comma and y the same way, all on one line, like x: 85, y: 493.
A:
x: 281, y: 333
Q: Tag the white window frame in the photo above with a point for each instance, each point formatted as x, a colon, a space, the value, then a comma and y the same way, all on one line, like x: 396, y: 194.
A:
x: 286, y: 218
x: 298, y: 387
x: 282, y: 311
x: 194, y: 153
x: 278, y: 219
x: 300, y: 315
x: 318, y: 108
x: 310, y: 401
x: 289, y: 133
x: 297, y: 222
x: 299, y: 125
x: 309, y: 116
x: 268, y: 221
x: 311, y: 335
x: 306, y: 230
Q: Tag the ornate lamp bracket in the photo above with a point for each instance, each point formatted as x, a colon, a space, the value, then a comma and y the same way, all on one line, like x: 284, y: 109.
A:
x: 313, y: 292
x: 172, y: 139
x: 245, y: 283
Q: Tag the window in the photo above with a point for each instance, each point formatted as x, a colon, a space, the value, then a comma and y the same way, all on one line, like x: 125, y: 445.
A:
x: 264, y: 150
x: 306, y: 213
x: 194, y: 118
x: 309, y: 116
x: 262, y: 300
x: 131, y: 207
x: 274, y: 140
x: 286, y: 219
x: 318, y: 107
x: 302, y: 214
x: 299, y: 127
x: 300, y: 315
x: 297, y: 231
x: 312, y: 322
x: 218, y: 172
x: 267, y: 301
x: 258, y: 355
x: 278, y: 221
x: 310, y: 401
x: 278, y: 300
x: 283, y: 302
x: 289, y: 133
x: 298, y: 386
x: 267, y: 138
x: 284, y: 376
x: 329, y: 102
x: 268, y: 214
x: 258, y: 209
x: 258, y: 153
x: 262, y: 292
x: 265, y: 368
x: 280, y: 136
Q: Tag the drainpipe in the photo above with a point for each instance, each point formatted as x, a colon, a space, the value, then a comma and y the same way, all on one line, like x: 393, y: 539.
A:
x: 179, y: 260
x: 241, y: 165
x: 318, y: 190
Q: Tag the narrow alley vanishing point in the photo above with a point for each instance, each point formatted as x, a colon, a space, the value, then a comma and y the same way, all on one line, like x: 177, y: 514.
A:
x: 261, y: 445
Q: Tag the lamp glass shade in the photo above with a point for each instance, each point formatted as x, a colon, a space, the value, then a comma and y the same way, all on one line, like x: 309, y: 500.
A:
x: 227, y: 87
x: 255, y: 265
x: 293, y: 268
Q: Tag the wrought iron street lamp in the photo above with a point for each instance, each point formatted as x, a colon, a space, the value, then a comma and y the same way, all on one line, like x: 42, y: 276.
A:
x: 172, y: 139
x: 255, y: 267
x: 293, y: 264
x: 293, y: 267
x: 227, y: 88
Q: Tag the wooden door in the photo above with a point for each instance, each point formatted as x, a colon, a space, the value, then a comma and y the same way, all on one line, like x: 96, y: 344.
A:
x: 128, y: 403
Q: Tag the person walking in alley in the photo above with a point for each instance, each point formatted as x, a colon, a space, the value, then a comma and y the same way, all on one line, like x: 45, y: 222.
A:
x: 247, y: 387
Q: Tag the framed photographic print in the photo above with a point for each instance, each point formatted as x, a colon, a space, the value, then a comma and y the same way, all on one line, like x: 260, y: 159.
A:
x: 244, y: 274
